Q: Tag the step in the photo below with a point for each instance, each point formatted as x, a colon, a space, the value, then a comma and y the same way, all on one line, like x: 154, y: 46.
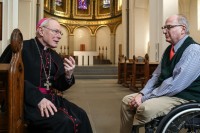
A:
x: 95, y: 76
x: 96, y: 72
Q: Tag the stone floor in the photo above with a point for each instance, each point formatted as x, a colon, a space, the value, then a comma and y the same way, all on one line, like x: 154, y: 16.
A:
x: 101, y: 99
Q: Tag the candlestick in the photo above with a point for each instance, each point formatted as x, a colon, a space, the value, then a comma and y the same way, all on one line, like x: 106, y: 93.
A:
x: 68, y: 49
x: 106, y: 52
x: 103, y: 53
x: 64, y: 50
x: 61, y: 49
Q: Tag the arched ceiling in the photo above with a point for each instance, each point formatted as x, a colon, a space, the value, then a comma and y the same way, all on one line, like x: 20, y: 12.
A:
x: 94, y: 16
x: 94, y: 9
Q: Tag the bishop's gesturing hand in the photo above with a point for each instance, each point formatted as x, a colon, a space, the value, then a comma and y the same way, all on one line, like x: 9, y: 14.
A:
x: 69, y: 65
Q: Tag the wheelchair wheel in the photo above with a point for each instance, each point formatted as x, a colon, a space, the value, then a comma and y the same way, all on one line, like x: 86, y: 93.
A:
x: 182, y: 119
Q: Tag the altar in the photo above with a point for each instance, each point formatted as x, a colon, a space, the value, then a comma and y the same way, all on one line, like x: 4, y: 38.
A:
x: 85, y: 57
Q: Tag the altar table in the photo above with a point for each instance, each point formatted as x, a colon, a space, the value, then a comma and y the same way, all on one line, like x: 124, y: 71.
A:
x: 85, y: 57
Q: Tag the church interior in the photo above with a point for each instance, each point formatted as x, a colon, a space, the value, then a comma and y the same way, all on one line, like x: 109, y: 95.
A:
x: 108, y: 39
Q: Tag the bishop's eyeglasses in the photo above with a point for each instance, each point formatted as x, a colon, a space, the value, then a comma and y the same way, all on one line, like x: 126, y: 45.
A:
x: 168, y: 27
x: 56, y: 32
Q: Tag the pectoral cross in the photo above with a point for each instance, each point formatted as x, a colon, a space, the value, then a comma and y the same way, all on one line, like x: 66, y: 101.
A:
x: 47, y: 84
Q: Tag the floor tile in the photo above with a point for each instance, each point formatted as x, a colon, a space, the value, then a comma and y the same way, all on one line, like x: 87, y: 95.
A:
x: 101, y: 99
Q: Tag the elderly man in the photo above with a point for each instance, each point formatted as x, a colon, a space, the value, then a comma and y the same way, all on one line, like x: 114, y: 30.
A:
x: 175, y: 81
x: 45, y: 71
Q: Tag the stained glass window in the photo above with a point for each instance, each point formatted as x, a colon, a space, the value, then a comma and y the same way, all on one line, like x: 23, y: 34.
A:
x: 106, y: 3
x: 82, y: 4
x: 59, y: 2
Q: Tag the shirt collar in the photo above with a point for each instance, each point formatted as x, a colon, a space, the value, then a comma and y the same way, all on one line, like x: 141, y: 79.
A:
x: 40, y: 45
x: 178, y: 45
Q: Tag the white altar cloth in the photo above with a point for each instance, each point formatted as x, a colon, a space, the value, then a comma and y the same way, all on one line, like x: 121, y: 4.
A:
x: 85, y: 57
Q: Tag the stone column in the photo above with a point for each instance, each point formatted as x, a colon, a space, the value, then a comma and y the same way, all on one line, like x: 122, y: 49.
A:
x: 9, y: 21
x: 159, y: 11
x: 93, y: 43
x: 124, y: 26
x: 40, y: 10
x: 112, y: 48
x: 71, y: 44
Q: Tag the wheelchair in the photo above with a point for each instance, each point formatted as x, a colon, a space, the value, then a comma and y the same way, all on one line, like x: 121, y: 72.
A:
x: 184, y: 118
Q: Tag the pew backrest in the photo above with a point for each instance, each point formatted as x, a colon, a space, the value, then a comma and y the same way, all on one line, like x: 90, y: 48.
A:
x: 12, y: 88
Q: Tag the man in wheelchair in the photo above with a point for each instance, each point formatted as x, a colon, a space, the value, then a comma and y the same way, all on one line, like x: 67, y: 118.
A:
x: 175, y: 81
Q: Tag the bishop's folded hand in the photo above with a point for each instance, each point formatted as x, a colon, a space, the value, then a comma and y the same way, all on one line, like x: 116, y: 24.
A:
x: 46, y: 107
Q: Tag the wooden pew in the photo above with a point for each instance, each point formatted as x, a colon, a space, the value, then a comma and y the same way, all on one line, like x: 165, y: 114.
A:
x: 140, y: 73
x: 12, y: 88
x: 133, y: 72
x: 152, y: 68
x: 3, y: 85
x: 127, y: 72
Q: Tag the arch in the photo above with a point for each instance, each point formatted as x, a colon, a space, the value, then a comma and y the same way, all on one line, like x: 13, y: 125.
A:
x: 116, y: 26
x: 101, y: 27
x: 118, y: 41
x: 83, y: 27
x: 103, y: 42
x: 82, y: 35
x: 64, y: 25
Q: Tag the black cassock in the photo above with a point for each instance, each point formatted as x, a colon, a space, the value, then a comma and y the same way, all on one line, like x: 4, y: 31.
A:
x: 70, y: 118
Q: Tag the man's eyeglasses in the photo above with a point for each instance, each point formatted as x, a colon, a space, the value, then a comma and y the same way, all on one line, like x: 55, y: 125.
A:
x: 56, y: 32
x: 168, y: 27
